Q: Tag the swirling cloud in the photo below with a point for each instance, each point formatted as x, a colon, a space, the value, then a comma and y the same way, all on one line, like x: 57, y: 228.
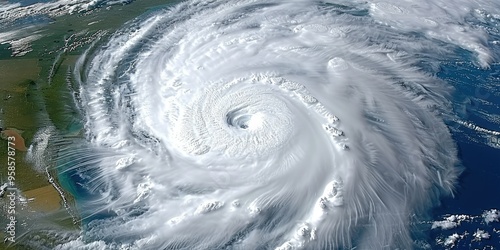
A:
x: 287, y: 125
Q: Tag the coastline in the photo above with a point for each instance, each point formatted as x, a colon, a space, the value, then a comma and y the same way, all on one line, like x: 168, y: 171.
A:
x: 36, y: 92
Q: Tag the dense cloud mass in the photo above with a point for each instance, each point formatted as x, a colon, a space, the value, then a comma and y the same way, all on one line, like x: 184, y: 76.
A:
x: 252, y: 124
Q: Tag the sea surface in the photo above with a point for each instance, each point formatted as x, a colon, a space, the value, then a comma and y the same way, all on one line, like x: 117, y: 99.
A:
x: 255, y: 124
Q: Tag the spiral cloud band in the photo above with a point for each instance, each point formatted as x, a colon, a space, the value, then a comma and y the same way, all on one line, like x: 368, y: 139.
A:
x: 254, y: 125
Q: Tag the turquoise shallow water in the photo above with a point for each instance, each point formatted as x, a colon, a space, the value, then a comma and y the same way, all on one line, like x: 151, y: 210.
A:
x: 478, y: 185
x: 475, y: 100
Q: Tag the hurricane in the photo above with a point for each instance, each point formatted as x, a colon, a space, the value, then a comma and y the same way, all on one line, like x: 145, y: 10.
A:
x: 251, y: 124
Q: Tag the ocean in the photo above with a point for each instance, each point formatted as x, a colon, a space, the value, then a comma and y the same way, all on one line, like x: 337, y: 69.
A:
x: 254, y: 124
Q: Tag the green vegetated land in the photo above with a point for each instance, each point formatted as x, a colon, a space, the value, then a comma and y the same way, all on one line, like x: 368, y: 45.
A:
x: 36, y: 90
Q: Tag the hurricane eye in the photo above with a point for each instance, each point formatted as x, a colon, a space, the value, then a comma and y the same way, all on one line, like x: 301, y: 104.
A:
x: 311, y: 131
x: 239, y: 119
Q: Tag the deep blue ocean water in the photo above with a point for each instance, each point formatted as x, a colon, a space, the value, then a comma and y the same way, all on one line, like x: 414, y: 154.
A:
x: 479, y: 185
x: 477, y: 93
